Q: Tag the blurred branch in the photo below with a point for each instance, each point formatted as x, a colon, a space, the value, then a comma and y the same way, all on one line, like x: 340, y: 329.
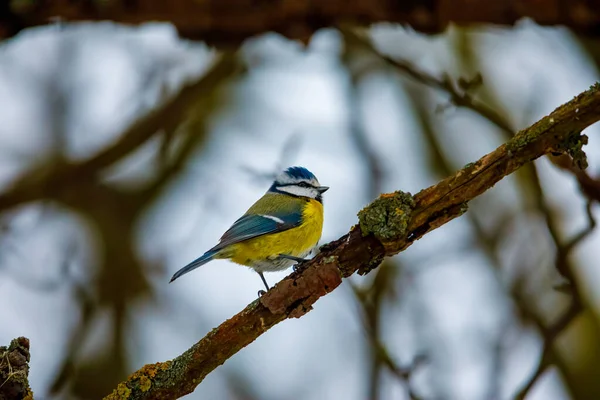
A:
x: 354, y: 252
x: 370, y: 298
x: 371, y: 301
x: 488, y: 239
x: 563, y: 251
x: 113, y: 213
x: 174, y: 156
x: 460, y: 96
x: 14, y: 370
x: 550, y: 334
x: 571, y: 244
x: 358, y: 133
x: 490, y: 243
x: 590, y: 187
x: 76, y: 340
x: 405, y: 373
x: 288, y: 152
x: 50, y: 181
x: 229, y: 22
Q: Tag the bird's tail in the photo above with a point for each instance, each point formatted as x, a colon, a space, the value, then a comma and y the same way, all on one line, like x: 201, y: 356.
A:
x: 200, y: 261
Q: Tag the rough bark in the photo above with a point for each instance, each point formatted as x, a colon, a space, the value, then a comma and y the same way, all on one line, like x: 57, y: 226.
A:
x: 228, y: 22
x: 387, y: 226
x: 14, y: 371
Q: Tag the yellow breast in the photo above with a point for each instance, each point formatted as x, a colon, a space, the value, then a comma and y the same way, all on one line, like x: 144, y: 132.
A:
x: 296, y: 242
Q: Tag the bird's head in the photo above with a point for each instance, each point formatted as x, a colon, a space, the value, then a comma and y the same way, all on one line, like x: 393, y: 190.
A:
x: 299, y: 182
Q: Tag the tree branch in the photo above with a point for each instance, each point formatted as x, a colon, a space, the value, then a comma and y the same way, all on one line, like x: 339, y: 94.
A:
x: 354, y: 252
x: 229, y: 22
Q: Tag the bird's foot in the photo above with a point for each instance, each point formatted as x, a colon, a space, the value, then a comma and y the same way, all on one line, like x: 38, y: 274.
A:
x: 262, y: 277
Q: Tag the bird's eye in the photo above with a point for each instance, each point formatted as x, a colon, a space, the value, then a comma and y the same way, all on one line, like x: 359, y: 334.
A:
x: 304, y: 184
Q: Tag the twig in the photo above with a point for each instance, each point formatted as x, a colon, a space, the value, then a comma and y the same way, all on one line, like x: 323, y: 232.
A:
x: 370, y: 300
x: 294, y: 296
x: 550, y: 336
x: 462, y: 99
x: 551, y: 333
x: 562, y: 252
x: 287, y: 153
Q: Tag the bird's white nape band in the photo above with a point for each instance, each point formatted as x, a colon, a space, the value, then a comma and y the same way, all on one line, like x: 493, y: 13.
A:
x: 278, y: 220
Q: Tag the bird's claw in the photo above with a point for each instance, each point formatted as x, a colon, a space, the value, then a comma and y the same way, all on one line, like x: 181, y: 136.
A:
x: 261, y: 293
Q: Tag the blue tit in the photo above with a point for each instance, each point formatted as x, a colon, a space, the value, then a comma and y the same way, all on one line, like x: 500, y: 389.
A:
x: 281, y: 228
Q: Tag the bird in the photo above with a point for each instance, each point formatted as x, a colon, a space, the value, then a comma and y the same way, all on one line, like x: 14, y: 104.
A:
x: 280, y: 229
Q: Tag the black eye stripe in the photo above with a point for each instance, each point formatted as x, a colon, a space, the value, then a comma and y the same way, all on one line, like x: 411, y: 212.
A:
x: 301, y: 184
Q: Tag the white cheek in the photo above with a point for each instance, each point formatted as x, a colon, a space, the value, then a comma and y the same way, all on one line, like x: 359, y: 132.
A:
x: 299, y: 191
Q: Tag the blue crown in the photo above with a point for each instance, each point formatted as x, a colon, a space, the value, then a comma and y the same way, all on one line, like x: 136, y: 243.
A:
x: 299, y: 173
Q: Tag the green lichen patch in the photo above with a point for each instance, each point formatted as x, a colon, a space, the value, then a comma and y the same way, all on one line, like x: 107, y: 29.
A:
x: 139, y: 382
x: 145, y: 383
x: 14, y: 370
x: 530, y: 135
x: 387, y: 217
x: 574, y: 147
x: 28, y: 395
x: 330, y: 259
x: 123, y: 391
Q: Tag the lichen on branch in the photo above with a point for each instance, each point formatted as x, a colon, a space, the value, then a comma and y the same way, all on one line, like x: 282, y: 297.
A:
x: 14, y: 370
x: 573, y: 146
x: 387, y: 217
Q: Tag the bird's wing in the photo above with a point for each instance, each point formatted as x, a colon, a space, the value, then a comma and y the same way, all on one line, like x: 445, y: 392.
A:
x: 251, y: 226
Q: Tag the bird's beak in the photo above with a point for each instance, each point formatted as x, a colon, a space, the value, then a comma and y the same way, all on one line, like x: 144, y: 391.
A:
x: 323, y: 189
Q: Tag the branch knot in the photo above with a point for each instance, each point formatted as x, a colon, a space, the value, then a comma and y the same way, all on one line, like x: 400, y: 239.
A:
x: 387, y: 218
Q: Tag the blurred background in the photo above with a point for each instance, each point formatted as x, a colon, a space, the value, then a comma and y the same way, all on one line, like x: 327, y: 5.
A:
x: 501, y: 303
